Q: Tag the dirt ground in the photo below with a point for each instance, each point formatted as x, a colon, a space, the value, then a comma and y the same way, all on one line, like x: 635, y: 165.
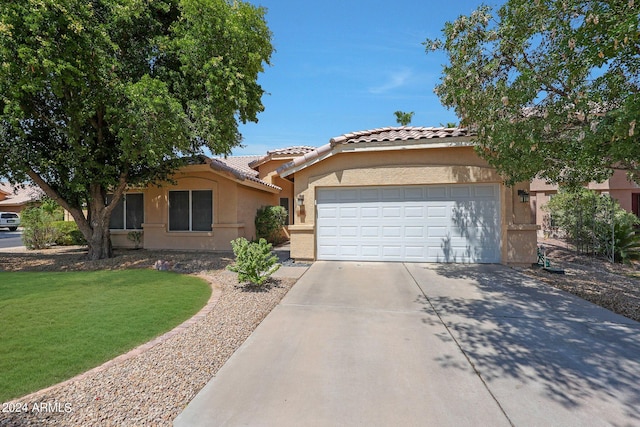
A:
x: 613, y: 286
x: 71, y: 258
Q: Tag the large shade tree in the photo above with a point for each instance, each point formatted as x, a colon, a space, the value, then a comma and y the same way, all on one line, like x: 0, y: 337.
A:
x: 98, y: 95
x: 550, y: 86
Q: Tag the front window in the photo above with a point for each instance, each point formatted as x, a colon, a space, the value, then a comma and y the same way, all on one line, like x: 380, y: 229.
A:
x: 128, y: 213
x: 190, y: 210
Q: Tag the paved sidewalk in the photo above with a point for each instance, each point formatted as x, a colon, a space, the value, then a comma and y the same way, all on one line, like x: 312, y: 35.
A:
x: 381, y: 344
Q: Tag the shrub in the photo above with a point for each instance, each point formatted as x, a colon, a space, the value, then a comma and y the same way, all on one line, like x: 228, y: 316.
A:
x: 595, y: 223
x: 38, y: 230
x: 627, y: 243
x: 68, y: 233
x: 255, y: 262
x: 136, y: 237
x: 269, y: 222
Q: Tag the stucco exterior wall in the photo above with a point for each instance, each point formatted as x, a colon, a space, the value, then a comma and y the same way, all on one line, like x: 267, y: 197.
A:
x: 249, y: 201
x: 618, y: 186
x: 267, y: 172
x: 452, y: 165
x: 234, y: 208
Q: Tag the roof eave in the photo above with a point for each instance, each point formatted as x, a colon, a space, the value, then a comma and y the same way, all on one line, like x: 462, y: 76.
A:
x: 336, y: 147
x: 242, y: 179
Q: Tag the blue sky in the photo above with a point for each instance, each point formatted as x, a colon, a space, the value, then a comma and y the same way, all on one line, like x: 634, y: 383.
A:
x: 344, y: 66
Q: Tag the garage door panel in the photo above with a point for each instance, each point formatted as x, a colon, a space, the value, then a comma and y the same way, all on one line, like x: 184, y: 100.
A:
x: 414, y: 193
x: 369, y: 194
x: 391, y: 194
x: 326, y: 231
x: 485, y: 191
x: 413, y: 231
x: 327, y: 212
x: 394, y: 231
x: 349, y: 231
x: 392, y: 251
x: 369, y: 212
x: 370, y: 231
x: 414, y: 212
x: 454, y: 223
x: 460, y: 192
x: 391, y: 212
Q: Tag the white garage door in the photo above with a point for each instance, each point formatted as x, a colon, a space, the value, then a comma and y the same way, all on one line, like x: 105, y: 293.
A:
x: 431, y: 223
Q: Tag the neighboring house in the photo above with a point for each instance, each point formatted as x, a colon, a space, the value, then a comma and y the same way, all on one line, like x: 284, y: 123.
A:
x: 14, y: 199
x: 392, y: 194
x: 406, y: 194
x: 626, y: 192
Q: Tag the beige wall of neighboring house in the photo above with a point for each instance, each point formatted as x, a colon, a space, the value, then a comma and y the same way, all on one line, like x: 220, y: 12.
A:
x: 626, y: 192
x: 405, y: 163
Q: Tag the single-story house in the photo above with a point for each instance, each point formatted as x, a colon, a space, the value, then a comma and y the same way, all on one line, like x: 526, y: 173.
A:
x: 389, y: 194
x: 208, y: 203
x: 618, y: 186
x: 16, y: 198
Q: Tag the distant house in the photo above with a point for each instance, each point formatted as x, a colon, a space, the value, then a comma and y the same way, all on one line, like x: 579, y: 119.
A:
x: 391, y: 194
x: 626, y: 192
x: 14, y: 199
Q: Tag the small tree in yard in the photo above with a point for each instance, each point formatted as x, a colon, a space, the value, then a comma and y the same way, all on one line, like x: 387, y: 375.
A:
x: 39, y: 231
x: 255, y: 262
x: 596, y: 223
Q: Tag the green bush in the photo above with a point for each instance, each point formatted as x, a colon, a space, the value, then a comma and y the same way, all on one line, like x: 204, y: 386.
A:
x: 255, y: 262
x: 627, y: 244
x: 269, y: 223
x: 595, y: 223
x: 38, y: 230
x: 68, y: 233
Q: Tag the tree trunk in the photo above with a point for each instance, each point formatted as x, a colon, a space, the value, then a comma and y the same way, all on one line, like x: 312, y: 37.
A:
x: 95, y: 226
x: 100, y: 241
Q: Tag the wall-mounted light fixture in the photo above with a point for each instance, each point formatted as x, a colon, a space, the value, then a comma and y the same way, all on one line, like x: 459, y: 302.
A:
x: 300, y: 200
x: 524, y: 196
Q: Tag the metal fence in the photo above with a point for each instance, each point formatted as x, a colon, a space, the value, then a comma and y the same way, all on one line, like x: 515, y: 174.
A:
x: 588, y: 225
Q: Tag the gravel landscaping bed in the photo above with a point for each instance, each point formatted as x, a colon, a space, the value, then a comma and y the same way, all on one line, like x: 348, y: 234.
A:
x: 151, y: 388
x: 613, y: 286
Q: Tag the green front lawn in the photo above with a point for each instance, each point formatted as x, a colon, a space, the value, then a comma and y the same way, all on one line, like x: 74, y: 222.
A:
x: 56, y: 325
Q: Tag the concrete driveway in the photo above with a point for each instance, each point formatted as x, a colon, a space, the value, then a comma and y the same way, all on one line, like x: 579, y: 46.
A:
x: 427, y: 345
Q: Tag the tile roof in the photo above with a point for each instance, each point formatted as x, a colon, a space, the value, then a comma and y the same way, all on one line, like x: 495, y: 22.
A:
x: 294, y: 151
x: 17, y: 196
x: 238, y: 167
x: 402, y: 133
x: 240, y: 163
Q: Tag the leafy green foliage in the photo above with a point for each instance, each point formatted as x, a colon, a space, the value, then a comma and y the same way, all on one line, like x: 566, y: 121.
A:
x: 136, y: 237
x: 68, y: 234
x: 99, y: 95
x: 627, y: 243
x: 269, y: 222
x: 551, y: 87
x: 595, y: 223
x: 255, y: 262
x: 38, y: 227
x: 403, y: 118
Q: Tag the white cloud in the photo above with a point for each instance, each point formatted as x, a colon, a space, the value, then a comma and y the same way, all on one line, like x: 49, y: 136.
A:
x: 395, y: 80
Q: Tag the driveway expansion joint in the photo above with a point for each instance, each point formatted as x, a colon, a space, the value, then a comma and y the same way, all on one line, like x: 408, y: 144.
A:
x: 464, y: 353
